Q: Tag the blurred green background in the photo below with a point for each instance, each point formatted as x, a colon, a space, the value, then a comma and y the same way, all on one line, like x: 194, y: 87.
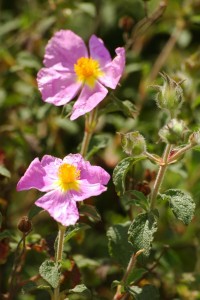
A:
x: 158, y: 35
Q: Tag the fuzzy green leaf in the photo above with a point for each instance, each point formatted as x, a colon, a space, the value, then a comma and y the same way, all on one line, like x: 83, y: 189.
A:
x: 182, y: 205
x: 82, y: 290
x: 35, y: 210
x: 141, y: 232
x: 50, y: 271
x: 120, y: 172
x: 73, y: 230
x: 29, y: 286
x: 146, y: 293
x: 135, y: 275
x: 97, y: 143
x: 119, y: 247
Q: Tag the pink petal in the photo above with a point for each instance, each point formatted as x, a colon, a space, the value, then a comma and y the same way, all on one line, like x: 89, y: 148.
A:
x: 88, y: 99
x: 35, y: 177
x: 51, y: 165
x: 64, y: 47
x: 93, y: 174
x: 113, y: 71
x: 60, y: 207
x: 98, y: 51
x: 87, y: 190
x: 57, y: 87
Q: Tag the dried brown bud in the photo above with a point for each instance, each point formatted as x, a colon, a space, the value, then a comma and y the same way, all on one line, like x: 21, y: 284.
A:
x: 149, y: 175
x: 24, y: 225
x: 126, y: 23
x: 143, y: 187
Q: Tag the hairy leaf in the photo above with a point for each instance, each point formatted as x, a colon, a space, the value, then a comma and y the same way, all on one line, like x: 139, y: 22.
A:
x: 82, y: 290
x: 119, y: 247
x: 35, y: 210
x: 4, y: 172
x: 120, y: 172
x: 90, y: 211
x: 181, y: 204
x: 141, y: 232
x: 97, y: 143
x: 50, y: 271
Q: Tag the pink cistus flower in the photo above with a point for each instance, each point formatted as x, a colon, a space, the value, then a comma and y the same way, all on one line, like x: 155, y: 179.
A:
x: 70, y: 71
x: 65, y: 182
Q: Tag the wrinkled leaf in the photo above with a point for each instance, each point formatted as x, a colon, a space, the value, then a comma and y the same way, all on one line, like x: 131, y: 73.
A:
x: 120, y: 172
x: 141, y: 232
x: 182, y: 205
x: 35, y: 210
x: 29, y: 286
x: 50, y: 271
x: 135, y: 275
x: 118, y: 245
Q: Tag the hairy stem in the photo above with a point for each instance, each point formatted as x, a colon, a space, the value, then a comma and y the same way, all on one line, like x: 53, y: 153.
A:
x: 160, y: 175
x: 180, y: 152
x: 59, y: 252
x: 90, y: 124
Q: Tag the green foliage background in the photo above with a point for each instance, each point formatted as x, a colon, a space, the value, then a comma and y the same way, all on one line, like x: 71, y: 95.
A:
x: 30, y: 128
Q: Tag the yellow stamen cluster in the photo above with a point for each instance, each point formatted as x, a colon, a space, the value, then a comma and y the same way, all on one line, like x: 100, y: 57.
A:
x: 87, y: 70
x: 68, y: 177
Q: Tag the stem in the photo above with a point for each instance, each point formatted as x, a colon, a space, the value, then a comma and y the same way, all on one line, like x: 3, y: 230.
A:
x: 180, y: 152
x: 90, y: 124
x: 130, y: 266
x: 160, y: 175
x: 59, y: 252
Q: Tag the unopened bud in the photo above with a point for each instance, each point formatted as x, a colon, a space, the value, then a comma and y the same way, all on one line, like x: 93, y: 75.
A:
x: 195, y: 138
x: 175, y: 132
x: 170, y: 95
x: 133, y: 143
x: 24, y: 225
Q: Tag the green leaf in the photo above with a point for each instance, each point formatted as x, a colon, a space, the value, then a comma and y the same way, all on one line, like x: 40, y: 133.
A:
x: 73, y: 230
x: 114, y: 104
x: 118, y: 245
x: 135, y: 275
x: 141, y: 232
x: 133, y: 197
x: 50, y: 271
x: 90, y: 211
x: 29, y: 286
x: 120, y: 172
x: 35, y: 210
x: 82, y: 290
x: 182, y: 205
x: 115, y: 283
x: 97, y: 143
x: 5, y: 234
x: 4, y: 172
x: 146, y: 293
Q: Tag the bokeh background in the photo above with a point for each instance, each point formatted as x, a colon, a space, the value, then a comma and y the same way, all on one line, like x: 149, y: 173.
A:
x: 158, y: 36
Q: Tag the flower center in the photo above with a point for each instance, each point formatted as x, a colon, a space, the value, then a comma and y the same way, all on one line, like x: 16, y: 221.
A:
x: 68, y: 177
x: 87, y: 70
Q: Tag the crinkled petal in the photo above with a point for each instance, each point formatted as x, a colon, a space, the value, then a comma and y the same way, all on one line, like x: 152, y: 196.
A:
x: 98, y: 51
x: 88, y: 99
x: 60, y: 207
x: 51, y: 165
x: 86, y: 191
x: 57, y: 87
x: 35, y: 177
x: 113, y: 71
x: 64, y: 47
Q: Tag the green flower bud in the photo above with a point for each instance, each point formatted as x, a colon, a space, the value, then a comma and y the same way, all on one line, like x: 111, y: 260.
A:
x: 170, y: 95
x: 133, y: 143
x: 175, y: 132
x: 194, y: 138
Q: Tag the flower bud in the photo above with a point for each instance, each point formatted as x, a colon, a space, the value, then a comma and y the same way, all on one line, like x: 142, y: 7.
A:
x: 24, y: 225
x: 175, y: 132
x: 170, y: 95
x: 194, y: 138
x: 133, y: 143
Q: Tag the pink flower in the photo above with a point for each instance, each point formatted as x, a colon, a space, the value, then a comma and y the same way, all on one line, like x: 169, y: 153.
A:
x: 69, y: 71
x: 65, y: 182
